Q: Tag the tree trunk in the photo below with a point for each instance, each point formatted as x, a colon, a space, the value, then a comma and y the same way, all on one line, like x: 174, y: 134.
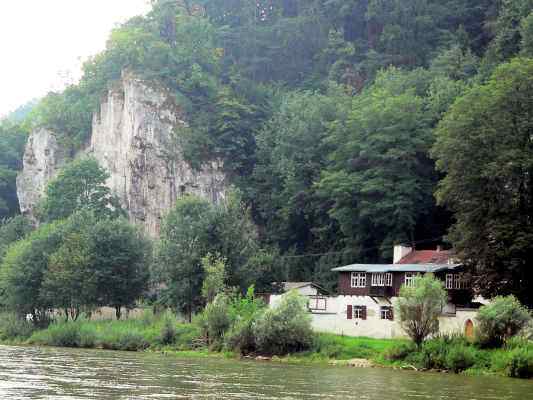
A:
x: 118, y: 312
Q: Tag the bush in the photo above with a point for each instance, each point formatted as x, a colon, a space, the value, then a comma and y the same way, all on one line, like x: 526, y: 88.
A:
x: 13, y: 326
x: 244, y: 313
x: 520, y: 363
x: 285, y: 328
x: 241, y: 337
x: 498, y: 321
x: 214, y: 321
x: 168, y: 330
x: 460, y: 358
x: 400, y: 351
x: 64, y: 334
x: 131, y: 341
x: 433, y: 353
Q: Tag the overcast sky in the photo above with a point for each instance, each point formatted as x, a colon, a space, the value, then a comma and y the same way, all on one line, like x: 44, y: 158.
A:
x: 42, y: 41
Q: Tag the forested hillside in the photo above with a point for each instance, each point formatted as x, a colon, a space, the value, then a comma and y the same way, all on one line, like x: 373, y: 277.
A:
x: 346, y: 126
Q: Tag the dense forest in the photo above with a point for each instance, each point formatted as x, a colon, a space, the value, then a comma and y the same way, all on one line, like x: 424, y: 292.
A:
x: 345, y: 126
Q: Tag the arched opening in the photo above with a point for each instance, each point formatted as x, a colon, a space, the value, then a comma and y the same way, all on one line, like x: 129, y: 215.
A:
x: 469, y: 329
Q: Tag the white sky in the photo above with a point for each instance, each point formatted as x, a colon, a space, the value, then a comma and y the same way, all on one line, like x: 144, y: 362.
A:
x: 44, y: 41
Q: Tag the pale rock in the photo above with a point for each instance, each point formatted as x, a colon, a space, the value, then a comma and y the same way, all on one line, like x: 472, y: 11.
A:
x: 132, y: 138
x: 43, y: 158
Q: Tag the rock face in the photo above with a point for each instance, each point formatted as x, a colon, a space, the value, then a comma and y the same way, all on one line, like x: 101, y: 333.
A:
x: 43, y: 157
x: 132, y: 138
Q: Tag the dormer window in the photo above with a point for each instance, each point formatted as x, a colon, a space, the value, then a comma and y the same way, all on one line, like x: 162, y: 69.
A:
x: 382, y: 279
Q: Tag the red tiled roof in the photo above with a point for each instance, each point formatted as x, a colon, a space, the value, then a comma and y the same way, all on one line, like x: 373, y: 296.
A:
x: 426, y: 257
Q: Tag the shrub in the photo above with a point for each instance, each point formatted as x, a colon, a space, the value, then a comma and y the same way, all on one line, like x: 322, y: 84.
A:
x: 186, y: 336
x: 520, y: 363
x: 285, y: 328
x: 433, y: 353
x: 244, y: 312
x: 400, y: 351
x: 215, y: 320
x: 13, y: 326
x: 168, y: 330
x: 64, y: 334
x: 460, y: 358
x: 131, y: 341
x: 498, y: 321
x: 241, y: 337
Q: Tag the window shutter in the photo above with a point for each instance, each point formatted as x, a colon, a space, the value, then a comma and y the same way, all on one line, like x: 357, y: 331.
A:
x: 349, y: 312
x: 363, y: 312
x: 391, y: 313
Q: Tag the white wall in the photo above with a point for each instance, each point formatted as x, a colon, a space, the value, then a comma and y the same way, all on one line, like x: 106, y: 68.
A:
x: 334, y: 318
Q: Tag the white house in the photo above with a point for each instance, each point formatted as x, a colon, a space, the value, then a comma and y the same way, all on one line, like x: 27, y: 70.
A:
x: 367, y: 293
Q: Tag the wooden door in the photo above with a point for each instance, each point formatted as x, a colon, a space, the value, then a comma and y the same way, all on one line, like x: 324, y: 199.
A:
x: 469, y: 329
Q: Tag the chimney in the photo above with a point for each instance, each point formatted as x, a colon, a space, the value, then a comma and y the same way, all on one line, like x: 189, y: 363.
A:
x: 400, y: 251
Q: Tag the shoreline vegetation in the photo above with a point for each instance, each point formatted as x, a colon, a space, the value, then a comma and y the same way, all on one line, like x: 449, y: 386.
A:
x: 164, y: 334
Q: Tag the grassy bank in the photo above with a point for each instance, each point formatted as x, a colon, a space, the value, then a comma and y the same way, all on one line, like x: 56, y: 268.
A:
x: 164, y: 333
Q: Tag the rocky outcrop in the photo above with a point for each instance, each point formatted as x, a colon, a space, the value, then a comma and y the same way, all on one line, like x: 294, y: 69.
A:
x: 133, y: 138
x: 43, y: 157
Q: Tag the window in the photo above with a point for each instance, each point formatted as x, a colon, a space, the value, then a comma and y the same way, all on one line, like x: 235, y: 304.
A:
x: 456, y: 281
x: 359, y: 312
x: 386, y: 312
x: 358, y: 279
x: 410, y: 278
x: 318, y: 303
x: 382, y: 279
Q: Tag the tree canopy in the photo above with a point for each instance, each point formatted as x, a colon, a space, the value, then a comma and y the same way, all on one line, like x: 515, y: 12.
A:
x: 484, y: 146
x: 80, y: 184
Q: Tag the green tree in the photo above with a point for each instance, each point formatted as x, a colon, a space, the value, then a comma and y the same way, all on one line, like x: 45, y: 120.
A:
x: 12, y: 141
x: 215, y: 276
x: 119, y: 260
x: 484, y: 147
x: 380, y: 178
x: 185, y: 236
x: 80, y: 184
x: 23, y: 269
x: 419, y: 307
x: 68, y: 283
x: 526, y: 32
x: 12, y: 230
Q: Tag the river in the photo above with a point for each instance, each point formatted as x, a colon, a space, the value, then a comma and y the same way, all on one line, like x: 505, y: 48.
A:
x: 52, y: 373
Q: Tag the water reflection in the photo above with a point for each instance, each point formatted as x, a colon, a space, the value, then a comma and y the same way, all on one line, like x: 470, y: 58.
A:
x: 43, y: 373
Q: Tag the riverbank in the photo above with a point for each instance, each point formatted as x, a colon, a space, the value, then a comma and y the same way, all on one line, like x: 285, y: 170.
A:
x: 166, y: 335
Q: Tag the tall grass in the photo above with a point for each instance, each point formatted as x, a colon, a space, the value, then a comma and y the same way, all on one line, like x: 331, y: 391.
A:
x: 14, y: 327
x: 154, y: 331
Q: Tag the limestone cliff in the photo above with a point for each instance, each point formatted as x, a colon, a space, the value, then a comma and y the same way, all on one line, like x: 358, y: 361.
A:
x: 43, y: 157
x: 132, y: 139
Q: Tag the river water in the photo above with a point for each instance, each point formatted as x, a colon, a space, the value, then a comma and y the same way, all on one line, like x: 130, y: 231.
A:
x: 51, y: 373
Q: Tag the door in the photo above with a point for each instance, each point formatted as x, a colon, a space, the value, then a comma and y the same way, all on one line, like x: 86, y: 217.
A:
x: 469, y: 329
